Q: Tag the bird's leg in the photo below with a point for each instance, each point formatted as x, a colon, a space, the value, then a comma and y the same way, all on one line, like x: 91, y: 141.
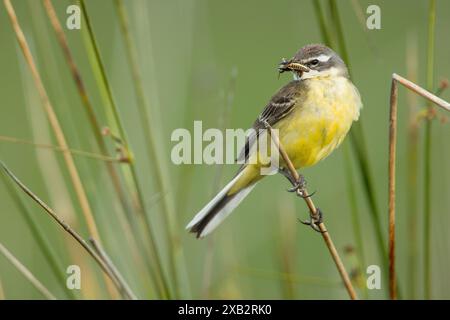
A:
x: 314, y: 220
x: 298, y: 185
x: 285, y: 172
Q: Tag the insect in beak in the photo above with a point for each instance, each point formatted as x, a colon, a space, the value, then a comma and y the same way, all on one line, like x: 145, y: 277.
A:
x: 288, y: 65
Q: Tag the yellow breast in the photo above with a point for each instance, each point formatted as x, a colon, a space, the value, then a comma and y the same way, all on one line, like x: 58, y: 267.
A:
x: 321, y: 120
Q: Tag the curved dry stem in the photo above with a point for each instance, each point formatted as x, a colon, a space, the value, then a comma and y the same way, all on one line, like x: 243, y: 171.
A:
x: 392, y: 156
x: 315, y: 215
x: 117, y: 281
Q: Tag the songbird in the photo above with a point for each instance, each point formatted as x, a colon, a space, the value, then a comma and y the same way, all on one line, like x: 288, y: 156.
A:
x: 313, y: 114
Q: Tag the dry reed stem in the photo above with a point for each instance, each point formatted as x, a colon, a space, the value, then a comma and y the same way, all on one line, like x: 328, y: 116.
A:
x: 392, y: 157
x: 120, y: 285
x: 56, y: 126
x: 26, y: 273
x: 314, y: 215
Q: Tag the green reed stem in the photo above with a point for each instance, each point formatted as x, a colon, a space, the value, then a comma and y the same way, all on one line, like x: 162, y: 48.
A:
x: 327, y: 36
x: 356, y: 134
x: 412, y: 168
x: 130, y: 228
x: 158, y: 278
x: 359, y: 147
x: 356, y: 223
x: 84, y: 97
x: 427, y: 152
x: 54, y: 122
x: 177, y: 264
x: 339, y: 32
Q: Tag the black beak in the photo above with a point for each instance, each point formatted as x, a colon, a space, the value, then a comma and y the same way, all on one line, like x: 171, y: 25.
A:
x: 282, y: 67
x: 290, y: 65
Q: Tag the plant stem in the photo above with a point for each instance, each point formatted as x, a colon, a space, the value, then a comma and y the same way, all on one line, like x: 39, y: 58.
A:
x: 391, y: 190
x: 50, y: 256
x: 359, y: 145
x: 412, y: 167
x: 159, y: 278
x: 392, y: 155
x: 339, y: 32
x: 116, y: 280
x: 112, y: 268
x: 355, y: 214
x: 93, y: 120
x: 314, y: 214
x: 427, y: 152
x: 75, y: 152
x: 127, y: 219
x: 2, y: 292
x: 327, y: 36
x: 356, y: 134
x: 162, y: 180
x: 26, y: 273
x: 57, y: 129
x: 56, y: 126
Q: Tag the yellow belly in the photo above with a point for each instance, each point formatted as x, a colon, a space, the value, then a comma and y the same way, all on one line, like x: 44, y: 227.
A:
x: 313, y: 130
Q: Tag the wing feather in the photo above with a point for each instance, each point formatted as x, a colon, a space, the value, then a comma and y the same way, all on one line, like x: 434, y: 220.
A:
x: 279, y: 106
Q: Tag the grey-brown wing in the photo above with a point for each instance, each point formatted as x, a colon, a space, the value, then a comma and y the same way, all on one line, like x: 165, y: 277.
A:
x: 281, y: 104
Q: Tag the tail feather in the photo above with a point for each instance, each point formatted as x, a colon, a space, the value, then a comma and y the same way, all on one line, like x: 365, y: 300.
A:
x: 217, y: 209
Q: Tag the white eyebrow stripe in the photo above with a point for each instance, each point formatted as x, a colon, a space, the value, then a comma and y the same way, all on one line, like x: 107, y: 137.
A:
x: 321, y: 58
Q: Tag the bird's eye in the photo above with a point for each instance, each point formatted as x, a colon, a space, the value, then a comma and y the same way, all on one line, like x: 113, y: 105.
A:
x: 314, y: 62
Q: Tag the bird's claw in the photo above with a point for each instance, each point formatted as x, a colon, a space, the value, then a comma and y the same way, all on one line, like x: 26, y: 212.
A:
x: 304, y: 196
x: 315, y: 219
x: 299, y: 185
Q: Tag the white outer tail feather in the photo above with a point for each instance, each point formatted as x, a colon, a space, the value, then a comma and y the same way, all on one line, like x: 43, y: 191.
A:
x: 225, y: 211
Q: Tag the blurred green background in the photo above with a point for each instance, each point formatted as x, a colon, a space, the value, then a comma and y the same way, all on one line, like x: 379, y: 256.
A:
x: 215, y: 61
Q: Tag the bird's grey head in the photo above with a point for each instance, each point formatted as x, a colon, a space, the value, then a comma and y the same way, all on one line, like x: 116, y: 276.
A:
x: 315, y: 60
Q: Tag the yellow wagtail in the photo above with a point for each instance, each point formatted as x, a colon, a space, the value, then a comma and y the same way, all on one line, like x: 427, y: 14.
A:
x: 313, y: 114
